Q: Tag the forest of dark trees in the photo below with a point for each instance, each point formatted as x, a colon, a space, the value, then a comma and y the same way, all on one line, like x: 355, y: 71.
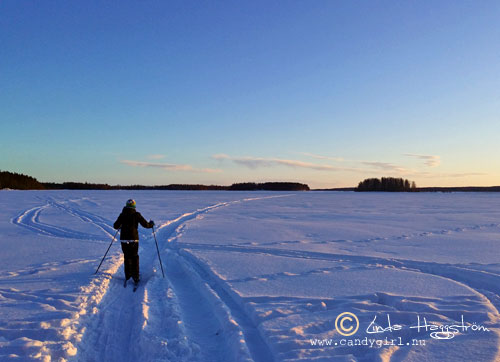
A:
x: 387, y: 184
x: 269, y: 186
x: 247, y: 186
x: 91, y: 186
x: 10, y: 180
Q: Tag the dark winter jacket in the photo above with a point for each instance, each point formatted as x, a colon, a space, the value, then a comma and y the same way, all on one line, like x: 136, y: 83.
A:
x: 128, y: 221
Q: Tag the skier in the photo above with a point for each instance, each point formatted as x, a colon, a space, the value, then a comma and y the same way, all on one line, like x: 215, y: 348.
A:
x: 128, y: 221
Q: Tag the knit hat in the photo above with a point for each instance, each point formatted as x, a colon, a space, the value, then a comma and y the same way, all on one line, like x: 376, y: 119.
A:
x: 130, y: 203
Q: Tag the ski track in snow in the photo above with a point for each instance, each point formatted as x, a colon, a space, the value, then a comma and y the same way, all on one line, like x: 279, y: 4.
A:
x: 396, y: 237
x: 192, y: 314
x: 181, y: 317
x: 30, y: 219
x: 484, y: 284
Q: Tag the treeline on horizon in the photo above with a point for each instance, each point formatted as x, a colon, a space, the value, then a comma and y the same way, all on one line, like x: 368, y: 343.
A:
x: 16, y: 181
x: 246, y: 186
x: 12, y: 180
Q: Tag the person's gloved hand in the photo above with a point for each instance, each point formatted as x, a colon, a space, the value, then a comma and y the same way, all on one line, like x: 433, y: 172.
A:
x: 152, y: 222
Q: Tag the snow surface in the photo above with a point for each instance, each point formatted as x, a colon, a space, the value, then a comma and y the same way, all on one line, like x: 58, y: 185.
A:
x: 250, y: 276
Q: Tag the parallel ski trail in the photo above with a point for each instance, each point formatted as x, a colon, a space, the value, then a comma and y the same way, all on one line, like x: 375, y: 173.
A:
x: 30, y: 219
x: 104, y: 339
x: 478, y: 281
x: 199, y: 319
x: 257, y: 347
x: 121, y: 329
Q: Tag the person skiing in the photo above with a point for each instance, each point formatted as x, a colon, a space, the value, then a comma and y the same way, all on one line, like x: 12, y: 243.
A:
x: 128, y: 222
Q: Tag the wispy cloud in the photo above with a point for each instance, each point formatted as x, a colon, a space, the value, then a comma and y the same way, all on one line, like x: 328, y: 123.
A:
x: 168, y: 166
x: 256, y: 162
x: 415, y: 173
x: 155, y: 157
x: 367, y: 167
x: 386, y: 166
x: 450, y: 175
x: 320, y: 157
x: 429, y: 160
x: 389, y: 167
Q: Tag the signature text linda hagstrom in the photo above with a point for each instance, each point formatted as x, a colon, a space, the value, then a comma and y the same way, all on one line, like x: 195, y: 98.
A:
x: 437, y: 331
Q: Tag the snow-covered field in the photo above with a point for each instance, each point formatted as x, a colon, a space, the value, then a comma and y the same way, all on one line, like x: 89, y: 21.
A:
x: 252, y: 277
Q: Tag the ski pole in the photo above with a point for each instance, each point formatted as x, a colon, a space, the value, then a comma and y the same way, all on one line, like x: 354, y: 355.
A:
x: 107, y: 251
x: 158, y: 250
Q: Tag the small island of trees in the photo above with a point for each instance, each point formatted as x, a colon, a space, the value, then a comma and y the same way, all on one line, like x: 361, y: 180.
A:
x: 387, y: 184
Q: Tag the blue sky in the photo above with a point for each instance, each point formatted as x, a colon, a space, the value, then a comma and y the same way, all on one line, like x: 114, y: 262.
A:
x: 322, y: 92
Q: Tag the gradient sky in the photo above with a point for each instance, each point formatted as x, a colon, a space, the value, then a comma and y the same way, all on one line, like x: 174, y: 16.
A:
x: 215, y: 92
